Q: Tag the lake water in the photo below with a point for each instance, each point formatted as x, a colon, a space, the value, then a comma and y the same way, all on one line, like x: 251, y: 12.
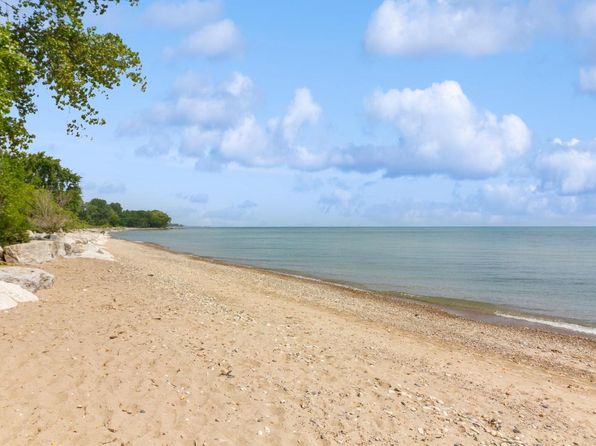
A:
x: 547, y: 274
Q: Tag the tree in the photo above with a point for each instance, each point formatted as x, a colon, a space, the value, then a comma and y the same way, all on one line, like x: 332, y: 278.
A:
x: 46, y: 42
x: 98, y: 212
x: 117, y: 207
x: 45, y: 172
x: 15, y: 202
x: 158, y: 219
x: 16, y: 75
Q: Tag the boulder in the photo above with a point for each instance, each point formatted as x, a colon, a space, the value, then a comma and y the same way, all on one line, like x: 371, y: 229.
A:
x: 37, y: 235
x: 38, y: 251
x: 92, y: 252
x: 1, y: 254
x: 31, y: 279
x: 11, y: 295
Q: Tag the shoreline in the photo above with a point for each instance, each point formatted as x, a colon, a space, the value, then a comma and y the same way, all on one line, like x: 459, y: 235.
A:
x: 165, y: 348
x: 478, y: 311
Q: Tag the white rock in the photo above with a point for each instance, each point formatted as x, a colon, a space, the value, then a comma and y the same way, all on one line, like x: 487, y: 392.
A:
x: 85, y: 244
x: 38, y: 251
x: 94, y: 252
x: 37, y: 235
x: 31, y: 279
x: 11, y: 295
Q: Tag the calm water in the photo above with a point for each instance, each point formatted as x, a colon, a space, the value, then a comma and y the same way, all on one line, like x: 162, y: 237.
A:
x: 538, y: 271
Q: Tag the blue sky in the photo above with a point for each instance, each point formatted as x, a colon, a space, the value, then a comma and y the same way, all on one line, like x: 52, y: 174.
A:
x: 413, y: 112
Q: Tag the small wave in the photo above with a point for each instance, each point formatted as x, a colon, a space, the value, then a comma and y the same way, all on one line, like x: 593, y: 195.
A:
x: 557, y: 324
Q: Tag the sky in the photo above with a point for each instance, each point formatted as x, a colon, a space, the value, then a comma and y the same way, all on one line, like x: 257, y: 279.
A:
x: 335, y: 113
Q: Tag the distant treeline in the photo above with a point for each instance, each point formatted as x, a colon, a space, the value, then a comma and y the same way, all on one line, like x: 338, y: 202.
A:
x: 37, y: 193
x: 98, y: 212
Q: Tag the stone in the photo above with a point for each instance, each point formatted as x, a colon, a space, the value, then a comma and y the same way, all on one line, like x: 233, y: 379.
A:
x: 11, y: 295
x: 38, y: 251
x: 31, y: 279
x: 86, y: 244
x: 1, y: 254
x: 37, y: 235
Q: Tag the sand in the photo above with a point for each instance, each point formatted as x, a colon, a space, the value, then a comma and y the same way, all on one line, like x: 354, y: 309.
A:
x: 161, y: 348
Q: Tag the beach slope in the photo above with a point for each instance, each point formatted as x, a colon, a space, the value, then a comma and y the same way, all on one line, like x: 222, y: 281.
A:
x: 163, y: 348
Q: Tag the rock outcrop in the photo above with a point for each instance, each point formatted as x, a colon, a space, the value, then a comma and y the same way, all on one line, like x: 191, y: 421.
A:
x: 31, y: 279
x: 11, y: 295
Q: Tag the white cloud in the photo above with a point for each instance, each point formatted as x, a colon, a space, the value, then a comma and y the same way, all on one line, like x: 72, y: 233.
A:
x: 440, y: 132
x: 197, y: 106
x: 195, y: 141
x: 448, y: 26
x: 239, y: 85
x: 211, y: 35
x: 587, y: 79
x: 277, y: 143
x: 508, y: 199
x: 570, y: 143
x: 215, y: 39
x: 214, y: 125
x: 246, y: 143
x: 303, y: 109
x: 190, y: 13
x: 570, y: 170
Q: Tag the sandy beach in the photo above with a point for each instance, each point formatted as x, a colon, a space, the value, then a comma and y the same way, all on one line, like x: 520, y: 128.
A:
x: 162, y: 348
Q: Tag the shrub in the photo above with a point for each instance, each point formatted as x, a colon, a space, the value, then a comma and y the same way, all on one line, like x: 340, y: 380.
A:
x: 46, y: 215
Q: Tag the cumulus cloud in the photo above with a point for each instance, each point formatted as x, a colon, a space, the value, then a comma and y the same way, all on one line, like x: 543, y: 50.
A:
x: 190, y: 13
x: 570, y: 169
x: 200, y: 108
x: 211, y: 35
x: 494, y: 203
x: 470, y: 27
x: 215, y: 39
x: 303, y: 109
x: 440, y: 132
x: 508, y: 199
x: 215, y: 126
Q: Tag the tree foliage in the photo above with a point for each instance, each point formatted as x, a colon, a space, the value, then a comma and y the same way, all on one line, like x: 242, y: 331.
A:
x: 16, y: 77
x: 15, y: 202
x: 45, y: 172
x: 47, y: 42
x: 98, y: 212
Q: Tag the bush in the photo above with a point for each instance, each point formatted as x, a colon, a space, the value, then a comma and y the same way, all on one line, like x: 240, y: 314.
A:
x: 46, y: 214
